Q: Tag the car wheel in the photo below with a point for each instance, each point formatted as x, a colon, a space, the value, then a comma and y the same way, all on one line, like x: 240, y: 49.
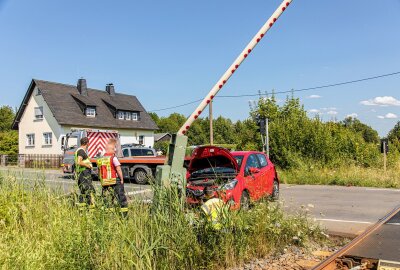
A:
x: 140, y: 176
x: 275, y: 191
x: 245, y: 201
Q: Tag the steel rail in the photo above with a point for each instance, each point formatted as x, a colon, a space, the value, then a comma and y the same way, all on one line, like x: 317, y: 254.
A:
x: 329, y: 264
x: 243, y: 55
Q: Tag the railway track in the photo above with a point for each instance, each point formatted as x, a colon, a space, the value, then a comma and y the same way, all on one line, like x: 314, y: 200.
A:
x: 377, y: 248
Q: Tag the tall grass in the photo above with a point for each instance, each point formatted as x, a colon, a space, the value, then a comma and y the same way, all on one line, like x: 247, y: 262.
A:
x: 343, y: 176
x: 40, y: 229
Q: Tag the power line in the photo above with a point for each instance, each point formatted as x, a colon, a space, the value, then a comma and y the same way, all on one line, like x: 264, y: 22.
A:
x: 288, y: 91
x: 177, y: 106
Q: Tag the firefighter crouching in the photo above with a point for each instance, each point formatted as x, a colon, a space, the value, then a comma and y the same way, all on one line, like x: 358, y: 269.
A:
x: 112, y: 179
x: 83, y: 174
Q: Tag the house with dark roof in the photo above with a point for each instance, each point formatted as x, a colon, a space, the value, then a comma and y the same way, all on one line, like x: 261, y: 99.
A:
x: 50, y: 110
x: 162, y: 137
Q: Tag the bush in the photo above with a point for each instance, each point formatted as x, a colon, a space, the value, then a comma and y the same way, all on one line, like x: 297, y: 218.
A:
x: 296, y: 139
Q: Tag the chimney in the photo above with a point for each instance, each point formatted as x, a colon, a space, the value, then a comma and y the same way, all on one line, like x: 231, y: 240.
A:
x: 82, y: 87
x: 110, y: 89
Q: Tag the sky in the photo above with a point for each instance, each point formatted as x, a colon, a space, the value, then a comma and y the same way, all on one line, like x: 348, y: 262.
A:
x: 172, y: 52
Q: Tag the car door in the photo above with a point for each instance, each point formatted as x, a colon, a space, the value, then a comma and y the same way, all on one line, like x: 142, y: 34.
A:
x: 267, y: 175
x: 253, y: 180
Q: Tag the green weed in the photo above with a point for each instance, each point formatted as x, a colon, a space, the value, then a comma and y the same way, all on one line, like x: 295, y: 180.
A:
x: 41, y: 229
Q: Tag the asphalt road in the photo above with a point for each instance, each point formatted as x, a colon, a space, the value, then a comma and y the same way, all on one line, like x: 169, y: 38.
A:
x: 56, y: 180
x: 344, y: 211
x: 341, y: 210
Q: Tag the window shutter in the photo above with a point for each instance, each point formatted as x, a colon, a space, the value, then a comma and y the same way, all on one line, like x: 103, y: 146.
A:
x: 39, y: 111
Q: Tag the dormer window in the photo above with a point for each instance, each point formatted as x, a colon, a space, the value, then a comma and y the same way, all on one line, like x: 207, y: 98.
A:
x: 126, y: 115
x: 121, y: 115
x: 90, y: 112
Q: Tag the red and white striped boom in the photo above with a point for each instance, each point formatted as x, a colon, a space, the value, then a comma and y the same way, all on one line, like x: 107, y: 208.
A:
x: 243, y: 55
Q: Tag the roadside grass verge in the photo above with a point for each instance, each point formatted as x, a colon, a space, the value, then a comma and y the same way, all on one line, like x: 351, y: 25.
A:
x: 343, y: 176
x: 41, y: 229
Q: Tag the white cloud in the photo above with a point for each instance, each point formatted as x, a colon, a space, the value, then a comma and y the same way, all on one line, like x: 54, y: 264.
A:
x: 391, y: 116
x: 332, y: 112
x: 329, y: 109
x: 381, y: 101
x: 388, y: 116
x: 352, y: 115
x: 313, y: 111
x: 315, y: 96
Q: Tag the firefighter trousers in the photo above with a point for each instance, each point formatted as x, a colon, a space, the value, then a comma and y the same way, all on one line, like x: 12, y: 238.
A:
x: 115, y: 193
x: 86, y: 187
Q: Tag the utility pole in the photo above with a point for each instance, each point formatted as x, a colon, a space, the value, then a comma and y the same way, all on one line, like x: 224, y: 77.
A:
x: 267, y: 135
x: 384, y: 155
x: 210, y: 108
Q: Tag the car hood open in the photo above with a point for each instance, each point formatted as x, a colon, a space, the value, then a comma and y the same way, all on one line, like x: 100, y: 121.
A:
x: 212, y: 156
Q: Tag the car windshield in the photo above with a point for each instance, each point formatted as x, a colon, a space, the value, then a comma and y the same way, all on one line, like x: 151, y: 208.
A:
x: 239, y: 160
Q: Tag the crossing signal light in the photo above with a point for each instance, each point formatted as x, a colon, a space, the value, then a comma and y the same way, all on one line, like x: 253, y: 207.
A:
x: 384, y: 146
x: 261, y: 126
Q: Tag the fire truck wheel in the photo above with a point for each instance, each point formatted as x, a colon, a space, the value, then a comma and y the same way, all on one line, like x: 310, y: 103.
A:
x: 140, y: 176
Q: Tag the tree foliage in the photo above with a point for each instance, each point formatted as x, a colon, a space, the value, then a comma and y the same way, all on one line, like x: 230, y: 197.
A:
x: 369, y: 134
x: 6, y: 118
x: 394, y: 136
x: 8, y: 137
x: 295, y: 139
x: 8, y: 142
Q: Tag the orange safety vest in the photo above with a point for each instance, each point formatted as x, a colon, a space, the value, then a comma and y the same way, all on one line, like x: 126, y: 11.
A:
x: 107, y: 170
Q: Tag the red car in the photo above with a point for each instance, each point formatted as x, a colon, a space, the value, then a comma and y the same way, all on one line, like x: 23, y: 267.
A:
x: 236, y: 177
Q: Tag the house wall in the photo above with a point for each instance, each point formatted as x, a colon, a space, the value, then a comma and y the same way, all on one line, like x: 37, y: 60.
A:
x: 30, y: 125
x: 126, y: 135
x: 132, y: 136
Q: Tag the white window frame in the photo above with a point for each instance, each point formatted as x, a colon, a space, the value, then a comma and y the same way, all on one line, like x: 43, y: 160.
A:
x: 121, y: 115
x: 128, y: 116
x: 30, y: 140
x: 135, y: 116
x: 38, y: 116
x: 47, y: 138
x: 90, y: 112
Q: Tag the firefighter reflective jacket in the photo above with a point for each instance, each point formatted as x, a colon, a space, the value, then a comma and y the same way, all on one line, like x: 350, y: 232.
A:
x: 107, y: 171
x: 78, y: 168
x: 214, y: 210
